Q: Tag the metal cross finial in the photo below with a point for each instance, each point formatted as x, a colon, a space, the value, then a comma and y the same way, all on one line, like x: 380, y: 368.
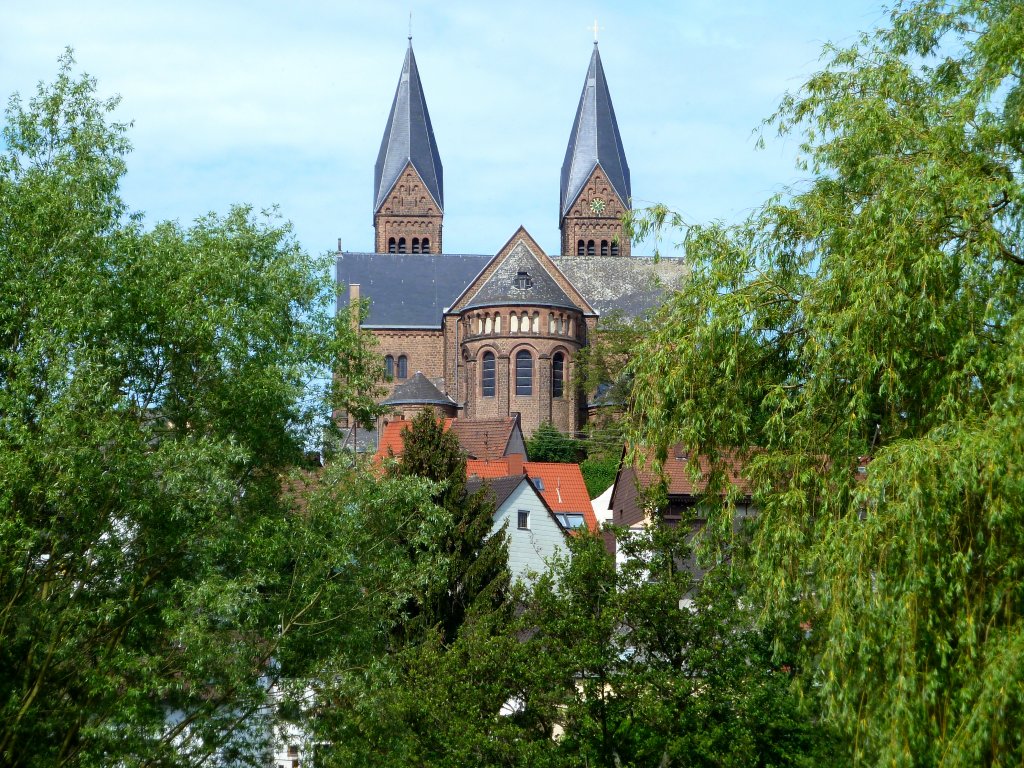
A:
x: 410, y: 26
x: 594, y: 29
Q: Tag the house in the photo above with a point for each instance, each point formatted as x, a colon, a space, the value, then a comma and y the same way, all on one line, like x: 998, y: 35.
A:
x: 486, y: 336
x: 632, y: 508
x: 534, y: 532
x: 561, y: 485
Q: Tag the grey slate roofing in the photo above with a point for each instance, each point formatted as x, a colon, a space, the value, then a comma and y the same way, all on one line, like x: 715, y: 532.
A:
x: 630, y: 285
x: 408, y: 290
x: 418, y: 390
x: 501, y: 288
x: 414, y: 290
x: 408, y: 138
x: 498, y: 489
x: 594, y: 140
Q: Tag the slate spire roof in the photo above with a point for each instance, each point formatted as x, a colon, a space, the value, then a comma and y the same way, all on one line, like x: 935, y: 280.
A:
x: 408, y: 138
x: 594, y: 140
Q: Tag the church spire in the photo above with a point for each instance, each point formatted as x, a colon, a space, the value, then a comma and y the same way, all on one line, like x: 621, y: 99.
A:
x: 408, y: 190
x: 595, y: 189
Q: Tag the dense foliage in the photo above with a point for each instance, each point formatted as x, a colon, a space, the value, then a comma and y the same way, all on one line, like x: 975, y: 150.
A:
x: 862, y: 338
x: 154, y: 389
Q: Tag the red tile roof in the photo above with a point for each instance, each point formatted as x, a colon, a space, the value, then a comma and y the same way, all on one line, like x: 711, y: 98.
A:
x: 564, y: 489
x: 391, y: 440
x: 484, y: 438
x: 677, y: 469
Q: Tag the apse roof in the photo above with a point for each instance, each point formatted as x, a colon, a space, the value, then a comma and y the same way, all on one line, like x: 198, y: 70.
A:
x: 408, y: 138
x: 594, y: 140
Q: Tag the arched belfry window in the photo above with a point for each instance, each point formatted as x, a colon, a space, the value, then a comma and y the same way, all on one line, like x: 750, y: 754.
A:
x: 487, y: 375
x: 401, y: 245
x: 415, y: 245
x: 615, y: 248
x: 590, y: 247
x: 558, y: 375
x: 604, y: 247
x: 580, y: 248
x: 389, y: 366
x: 403, y: 367
x: 524, y: 373
x: 425, y: 245
x: 392, y: 245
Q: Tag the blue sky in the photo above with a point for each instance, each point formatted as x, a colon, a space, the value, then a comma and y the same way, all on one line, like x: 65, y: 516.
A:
x: 285, y: 102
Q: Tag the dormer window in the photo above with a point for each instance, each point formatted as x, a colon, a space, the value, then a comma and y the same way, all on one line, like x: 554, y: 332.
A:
x: 523, y: 280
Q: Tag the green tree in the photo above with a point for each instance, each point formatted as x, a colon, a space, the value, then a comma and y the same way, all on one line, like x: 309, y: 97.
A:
x: 548, y: 444
x: 477, y: 572
x: 642, y: 665
x: 861, y: 338
x: 154, y: 390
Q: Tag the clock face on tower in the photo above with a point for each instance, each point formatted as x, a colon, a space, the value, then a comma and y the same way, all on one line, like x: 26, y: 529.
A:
x: 597, y: 205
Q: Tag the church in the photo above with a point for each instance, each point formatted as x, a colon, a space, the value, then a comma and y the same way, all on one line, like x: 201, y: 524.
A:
x: 497, y: 335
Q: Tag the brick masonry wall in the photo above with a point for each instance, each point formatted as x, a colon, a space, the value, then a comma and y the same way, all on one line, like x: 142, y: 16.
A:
x: 582, y: 223
x: 554, y: 331
x: 423, y: 348
x: 408, y: 211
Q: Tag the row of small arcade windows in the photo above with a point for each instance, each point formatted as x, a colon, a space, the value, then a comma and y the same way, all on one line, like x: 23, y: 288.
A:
x: 396, y: 369
x: 524, y: 374
x: 399, y: 245
x: 558, y: 325
x: 589, y: 248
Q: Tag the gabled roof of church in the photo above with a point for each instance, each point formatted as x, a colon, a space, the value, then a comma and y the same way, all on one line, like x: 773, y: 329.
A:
x: 500, y: 282
x: 418, y: 390
x: 520, y: 279
x: 408, y: 138
x: 594, y: 140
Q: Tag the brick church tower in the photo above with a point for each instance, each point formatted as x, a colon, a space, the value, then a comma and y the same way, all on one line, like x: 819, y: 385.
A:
x: 595, y: 189
x: 408, y: 189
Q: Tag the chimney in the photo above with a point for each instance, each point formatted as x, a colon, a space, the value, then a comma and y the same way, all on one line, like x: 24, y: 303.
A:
x: 353, y: 303
x: 515, y: 463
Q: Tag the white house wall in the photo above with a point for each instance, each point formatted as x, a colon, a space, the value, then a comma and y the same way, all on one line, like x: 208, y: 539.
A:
x: 528, y: 549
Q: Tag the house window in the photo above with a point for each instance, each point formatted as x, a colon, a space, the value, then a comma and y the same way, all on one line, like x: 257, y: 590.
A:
x: 524, y: 520
x: 580, y: 246
x: 425, y: 245
x: 392, y: 245
x: 497, y: 323
x: 524, y: 373
x: 487, y: 375
x: 401, y: 245
x: 557, y: 375
x: 523, y: 280
x: 403, y: 367
x: 389, y: 367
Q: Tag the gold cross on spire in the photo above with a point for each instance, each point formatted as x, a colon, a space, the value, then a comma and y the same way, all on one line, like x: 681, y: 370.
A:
x: 594, y: 29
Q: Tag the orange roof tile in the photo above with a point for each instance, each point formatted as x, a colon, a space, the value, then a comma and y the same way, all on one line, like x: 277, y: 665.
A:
x: 391, y: 441
x: 487, y: 469
x: 564, y: 489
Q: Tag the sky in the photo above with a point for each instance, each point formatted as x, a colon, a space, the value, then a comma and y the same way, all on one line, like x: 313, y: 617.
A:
x: 285, y: 103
